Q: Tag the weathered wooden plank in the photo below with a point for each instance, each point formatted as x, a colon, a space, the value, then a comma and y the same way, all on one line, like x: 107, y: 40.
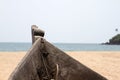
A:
x: 27, y: 68
x: 69, y: 68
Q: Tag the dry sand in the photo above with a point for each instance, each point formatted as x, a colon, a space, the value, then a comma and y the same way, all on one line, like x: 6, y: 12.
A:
x: 104, y: 63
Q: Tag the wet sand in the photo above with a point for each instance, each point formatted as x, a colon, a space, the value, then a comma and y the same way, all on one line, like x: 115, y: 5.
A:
x: 105, y: 63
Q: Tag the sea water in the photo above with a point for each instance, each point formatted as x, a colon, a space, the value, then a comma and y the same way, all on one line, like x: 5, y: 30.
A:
x: 62, y: 46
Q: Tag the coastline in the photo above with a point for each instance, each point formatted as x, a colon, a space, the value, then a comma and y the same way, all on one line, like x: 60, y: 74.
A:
x: 106, y: 63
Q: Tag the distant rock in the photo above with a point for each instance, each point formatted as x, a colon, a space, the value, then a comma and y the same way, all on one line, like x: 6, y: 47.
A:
x: 114, y: 40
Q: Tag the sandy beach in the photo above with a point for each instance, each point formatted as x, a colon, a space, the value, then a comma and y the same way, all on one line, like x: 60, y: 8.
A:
x: 105, y: 63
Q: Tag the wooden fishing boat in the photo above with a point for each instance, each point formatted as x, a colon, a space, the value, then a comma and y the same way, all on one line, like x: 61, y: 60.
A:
x: 44, y: 61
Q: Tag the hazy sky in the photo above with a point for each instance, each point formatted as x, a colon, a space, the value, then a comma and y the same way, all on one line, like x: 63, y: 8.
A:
x: 76, y: 21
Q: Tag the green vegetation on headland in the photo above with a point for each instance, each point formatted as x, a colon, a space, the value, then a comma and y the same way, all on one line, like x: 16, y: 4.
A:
x: 114, y: 40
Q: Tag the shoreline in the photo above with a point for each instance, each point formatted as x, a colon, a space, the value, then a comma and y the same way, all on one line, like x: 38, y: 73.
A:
x: 106, y: 63
x: 62, y: 50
